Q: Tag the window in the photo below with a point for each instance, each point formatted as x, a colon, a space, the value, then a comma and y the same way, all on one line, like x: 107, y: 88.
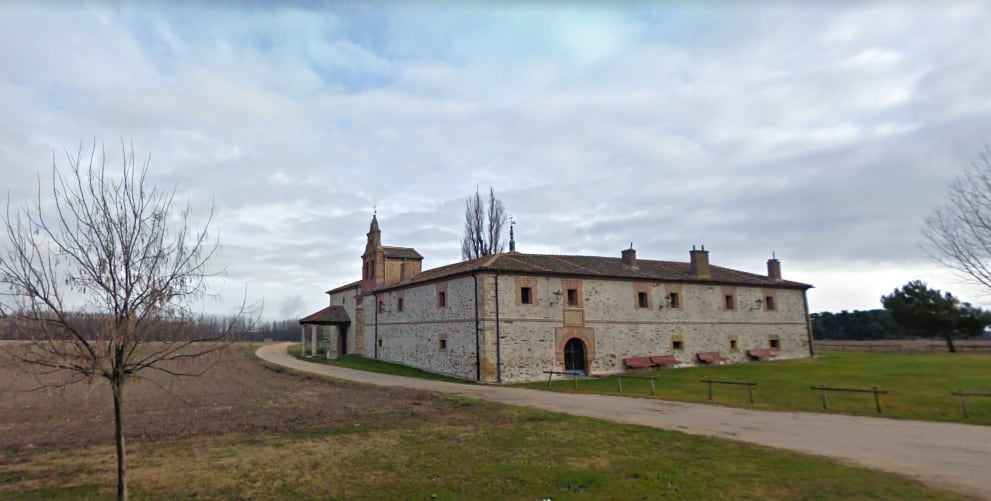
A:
x: 442, y: 344
x: 774, y: 343
x: 526, y: 295
x: 643, y: 300
x: 732, y: 345
x: 730, y: 302
x: 572, y: 297
x: 399, y: 304
x: 380, y: 342
x: 677, y: 345
x: 441, y: 291
x: 769, y: 303
x: 673, y: 300
x: 381, y: 306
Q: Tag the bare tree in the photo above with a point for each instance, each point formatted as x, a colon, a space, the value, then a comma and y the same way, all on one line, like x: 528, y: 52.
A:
x: 99, y: 275
x: 483, y: 226
x: 959, y: 231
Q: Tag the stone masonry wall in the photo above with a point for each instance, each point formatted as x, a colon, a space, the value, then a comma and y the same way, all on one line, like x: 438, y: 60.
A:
x: 347, y: 299
x: 617, y: 327
x: 434, y: 338
x: 609, y: 319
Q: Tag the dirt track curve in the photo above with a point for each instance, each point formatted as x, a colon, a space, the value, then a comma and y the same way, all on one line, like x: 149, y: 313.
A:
x: 948, y: 455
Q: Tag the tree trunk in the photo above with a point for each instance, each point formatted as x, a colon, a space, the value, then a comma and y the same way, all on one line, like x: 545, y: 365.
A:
x: 118, y: 391
x: 949, y: 343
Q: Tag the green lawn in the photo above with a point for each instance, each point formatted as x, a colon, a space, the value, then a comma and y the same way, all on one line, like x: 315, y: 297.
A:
x: 919, y: 385
x: 372, y: 365
x: 475, y: 450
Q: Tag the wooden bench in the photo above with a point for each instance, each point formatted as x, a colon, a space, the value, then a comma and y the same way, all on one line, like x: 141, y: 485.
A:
x: 710, y: 357
x: 638, y: 362
x: 760, y: 354
x: 664, y: 360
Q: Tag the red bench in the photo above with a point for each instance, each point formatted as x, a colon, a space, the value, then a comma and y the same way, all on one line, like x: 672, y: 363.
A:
x: 659, y: 361
x: 664, y: 360
x: 638, y: 362
x: 760, y: 353
x: 710, y: 357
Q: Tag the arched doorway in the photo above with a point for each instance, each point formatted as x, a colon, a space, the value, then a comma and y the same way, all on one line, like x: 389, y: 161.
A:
x: 574, y: 356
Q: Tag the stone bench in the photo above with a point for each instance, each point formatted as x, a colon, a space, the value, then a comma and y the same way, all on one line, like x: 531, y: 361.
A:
x: 760, y: 354
x: 710, y: 357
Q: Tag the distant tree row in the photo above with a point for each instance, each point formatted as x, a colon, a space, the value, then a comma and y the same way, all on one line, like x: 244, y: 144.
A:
x: 914, y: 310
x: 856, y: 325
x: 208, y: 327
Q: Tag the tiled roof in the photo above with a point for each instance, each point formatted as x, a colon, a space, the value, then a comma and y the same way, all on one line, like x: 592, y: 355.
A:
x: 401, y: 252
x: 345, y: 287
x: 595, y: 266
x: 328, y: 315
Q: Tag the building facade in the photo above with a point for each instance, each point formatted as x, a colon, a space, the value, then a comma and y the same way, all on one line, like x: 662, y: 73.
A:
x: 511, y: 316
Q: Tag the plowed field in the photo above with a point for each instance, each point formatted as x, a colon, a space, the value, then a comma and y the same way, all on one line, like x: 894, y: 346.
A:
x: 236, y: 393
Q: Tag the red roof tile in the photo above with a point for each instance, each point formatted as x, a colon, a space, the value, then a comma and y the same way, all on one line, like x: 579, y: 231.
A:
x: 401, y: 252
x: 328, y: 315
x: 593, y: 267
x: 345, y: 287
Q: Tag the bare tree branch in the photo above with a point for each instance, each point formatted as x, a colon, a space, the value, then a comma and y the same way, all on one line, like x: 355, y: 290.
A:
x: 100, y: 276
x: 958, y: 233
x: 483, y: 226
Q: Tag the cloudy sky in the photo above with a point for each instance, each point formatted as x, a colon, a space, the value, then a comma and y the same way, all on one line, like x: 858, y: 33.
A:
x: 824, y: 132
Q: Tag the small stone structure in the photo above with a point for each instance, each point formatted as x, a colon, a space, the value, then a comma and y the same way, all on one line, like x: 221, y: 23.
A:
x: 510, y: 316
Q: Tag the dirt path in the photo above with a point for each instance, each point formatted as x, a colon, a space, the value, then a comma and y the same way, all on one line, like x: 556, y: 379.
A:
x: 949, y: 455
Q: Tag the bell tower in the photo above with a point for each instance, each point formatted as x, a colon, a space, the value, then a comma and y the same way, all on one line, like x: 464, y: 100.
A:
x: 373, y: 260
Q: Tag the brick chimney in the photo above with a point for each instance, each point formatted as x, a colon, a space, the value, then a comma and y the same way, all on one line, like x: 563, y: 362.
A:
x: 700, y: 263
x: 630, y: 257
x: 774, y: 269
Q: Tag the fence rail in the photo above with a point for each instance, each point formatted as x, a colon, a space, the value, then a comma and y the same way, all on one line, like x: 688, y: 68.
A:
x: 551, y: 374
x: 749, y: 384
x: 825, y: 400
x: 619, y: 381
x: 963, y: 399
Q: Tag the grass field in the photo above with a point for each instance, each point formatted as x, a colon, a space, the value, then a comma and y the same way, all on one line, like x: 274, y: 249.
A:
x: 249, y: 431
x: 478, y: 451
x: 919, y: 385
x: 373, y: 365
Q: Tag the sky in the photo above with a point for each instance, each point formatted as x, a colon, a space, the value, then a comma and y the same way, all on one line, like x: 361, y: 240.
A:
x: 824, y: 132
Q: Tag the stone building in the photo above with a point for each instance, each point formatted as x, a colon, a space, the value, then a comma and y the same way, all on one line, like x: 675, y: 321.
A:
x: 508, y: 317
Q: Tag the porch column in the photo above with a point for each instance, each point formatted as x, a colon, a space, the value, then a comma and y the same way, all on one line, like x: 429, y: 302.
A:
x: 313, y: 344
x: 333, y: 341
x: 302, y: 340
x: 328, y: 340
